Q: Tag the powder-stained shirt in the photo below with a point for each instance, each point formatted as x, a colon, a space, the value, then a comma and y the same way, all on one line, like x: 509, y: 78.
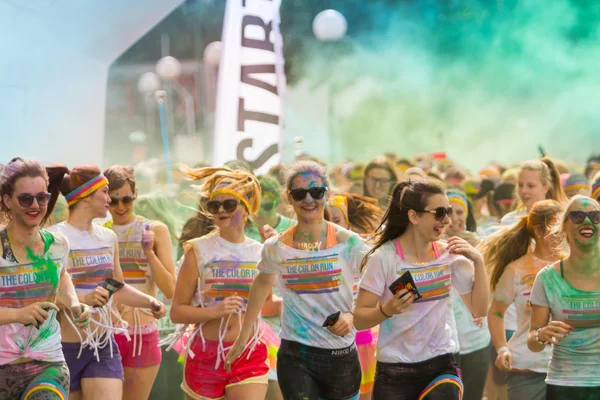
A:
x: 471, y: 337
x: 22, y: 284
x: 91, y: 255
x: 224, y: 268
x: 514, y: 287
x: 314, y: 285
x: 575, y: 360
x: 421, y: 332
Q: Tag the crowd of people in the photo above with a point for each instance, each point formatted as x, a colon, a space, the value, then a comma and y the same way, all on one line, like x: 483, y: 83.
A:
x: 404, y: 278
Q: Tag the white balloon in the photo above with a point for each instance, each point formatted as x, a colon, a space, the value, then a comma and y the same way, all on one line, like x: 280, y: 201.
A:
x: 168, y: 68
x: 212, y: 53
x: 148, y: 83
x: 329, y: 26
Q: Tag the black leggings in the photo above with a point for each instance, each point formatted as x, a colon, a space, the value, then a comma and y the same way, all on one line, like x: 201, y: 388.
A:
x: 311, y: 373
x: 435, y: 379
x: 554, y: 392
x: 474, y: 369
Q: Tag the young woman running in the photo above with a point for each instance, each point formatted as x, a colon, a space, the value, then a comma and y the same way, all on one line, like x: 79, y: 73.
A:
x: 92, y: 353
x: 414, y: 350
x: 212, y: 291
x: 473, y: 335
x: 314, y: 265
x: 565, y: 307
x: 33, y: 279
x: 146, y: 259
x: 361, y: 215
x: 513, y: 269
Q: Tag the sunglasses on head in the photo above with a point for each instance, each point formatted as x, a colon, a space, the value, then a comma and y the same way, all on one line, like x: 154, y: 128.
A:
x: 579, y: 216
x: 26, y: 199
x: 230, y: 205
x: 439, y: 213
x: 126, y: 200
x: 316, y: 193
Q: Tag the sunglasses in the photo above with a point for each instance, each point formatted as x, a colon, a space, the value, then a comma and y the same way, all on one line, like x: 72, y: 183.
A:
x: 267, y: 206
x: 26, y: 199
x: 230, y: 205
x: 316, y: 193
x: 579, y: 216
x: 378, y: 181
x: 439, y: 213
x: 126, y: 200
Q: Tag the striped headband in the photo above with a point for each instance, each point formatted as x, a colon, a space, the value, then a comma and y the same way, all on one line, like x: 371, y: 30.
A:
x: 341, y: 202
x: 454, y: 197
x: 225, y: 188
x: 86, y: 189
x: 576, y: 182
x: 596, y: 190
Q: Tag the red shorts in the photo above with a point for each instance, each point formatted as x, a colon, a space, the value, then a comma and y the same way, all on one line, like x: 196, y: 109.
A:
x: 150, y: 355
x: 202, y: 381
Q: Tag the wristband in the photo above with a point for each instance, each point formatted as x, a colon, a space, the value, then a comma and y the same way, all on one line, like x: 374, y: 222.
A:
x: 503, y: 349
x: 384, y: 314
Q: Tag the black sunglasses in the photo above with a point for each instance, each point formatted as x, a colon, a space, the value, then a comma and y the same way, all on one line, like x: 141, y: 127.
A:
x: 316, y: 193
x: 127, y: 200
x: 440, y: 212
x: 26, y: 199
x: 267, y: 206
x: 579, y: 216
x: 230, y: 205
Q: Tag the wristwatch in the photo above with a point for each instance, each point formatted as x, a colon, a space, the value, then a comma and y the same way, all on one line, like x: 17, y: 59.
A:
x: 537, y: 337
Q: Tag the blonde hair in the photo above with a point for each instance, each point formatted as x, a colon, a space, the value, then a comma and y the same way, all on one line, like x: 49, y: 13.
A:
x: 549, y: 177
x: 241, y: 182
x: 510, y: 244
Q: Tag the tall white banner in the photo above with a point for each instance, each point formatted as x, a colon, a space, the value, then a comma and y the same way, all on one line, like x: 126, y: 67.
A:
x: 249, y: 111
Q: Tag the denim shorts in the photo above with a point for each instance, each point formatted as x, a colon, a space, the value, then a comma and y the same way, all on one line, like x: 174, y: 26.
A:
x: 311, y: 373
x: 433, y: 379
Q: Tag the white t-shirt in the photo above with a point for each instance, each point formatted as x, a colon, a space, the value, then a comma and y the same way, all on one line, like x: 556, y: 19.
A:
x: 514, y: 288
x: 471, y: 337
x: 22, y: 284
x: 91, y: 255
x: 313, y: 285
x: 421, y: 332
x: 224, y: 268
x: 452, y: 323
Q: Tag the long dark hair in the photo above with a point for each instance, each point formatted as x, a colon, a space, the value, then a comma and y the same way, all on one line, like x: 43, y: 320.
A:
x: 407, y: 195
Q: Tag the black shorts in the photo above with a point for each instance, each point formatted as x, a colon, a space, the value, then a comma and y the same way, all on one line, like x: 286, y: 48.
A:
x: 312, y: 373
x: 433, y: 379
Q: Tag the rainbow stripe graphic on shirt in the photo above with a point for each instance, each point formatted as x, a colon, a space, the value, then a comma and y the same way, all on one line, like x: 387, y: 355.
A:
x: 227, y: 278
x: 313, y: 275
x: 582, y: 311
x: 132, y: 258
x: 433, y: 283
x: 21, y: 285
x: 527, y: 283
x: 89, y: 268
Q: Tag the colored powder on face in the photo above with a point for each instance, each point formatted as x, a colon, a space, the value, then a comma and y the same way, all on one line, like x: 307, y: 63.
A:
x: 44, y: 267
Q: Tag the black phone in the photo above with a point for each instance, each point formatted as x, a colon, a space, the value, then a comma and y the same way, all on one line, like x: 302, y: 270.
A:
x: 405, y: 281
x: 331, y: 319
x: 112, y: 285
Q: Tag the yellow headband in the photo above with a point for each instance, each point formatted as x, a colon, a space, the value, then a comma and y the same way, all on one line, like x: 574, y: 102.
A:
x: 341, y: 202
x: 458, y: 198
